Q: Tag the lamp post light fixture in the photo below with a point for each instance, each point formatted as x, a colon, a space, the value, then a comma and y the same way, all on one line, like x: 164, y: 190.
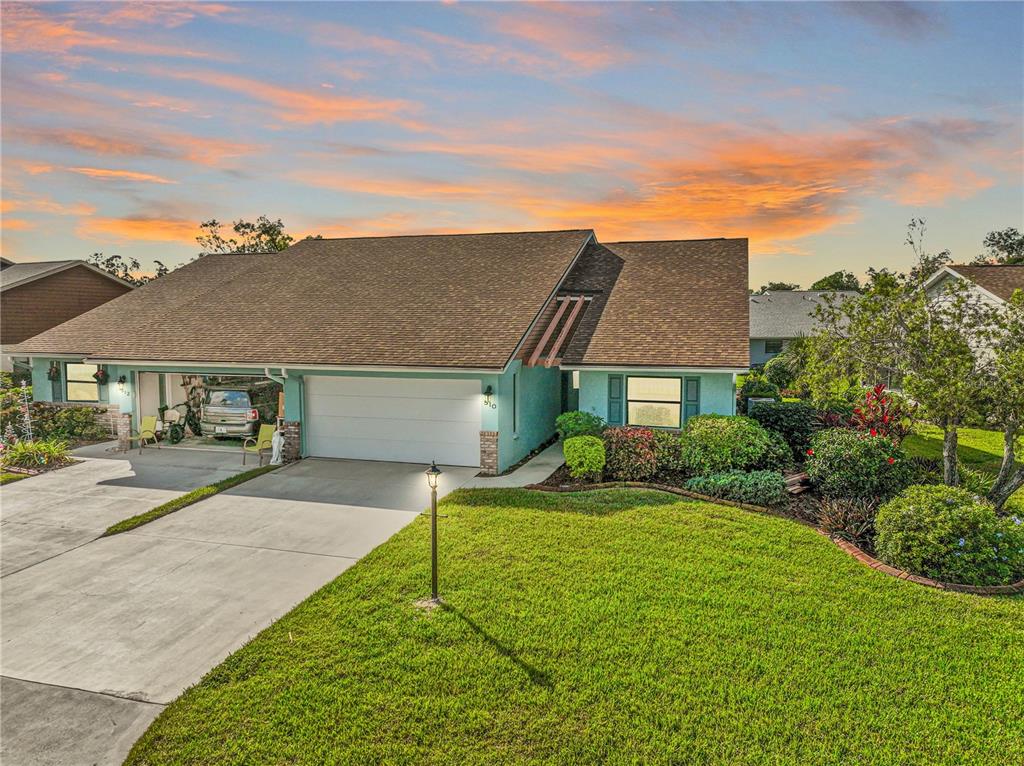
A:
x: 433, y: 474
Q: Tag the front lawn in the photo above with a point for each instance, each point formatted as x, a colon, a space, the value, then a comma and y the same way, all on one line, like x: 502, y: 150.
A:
x: 622, y: 626
x: 978, y: 449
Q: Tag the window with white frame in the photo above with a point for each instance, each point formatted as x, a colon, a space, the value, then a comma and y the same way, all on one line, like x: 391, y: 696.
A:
x: 654, y: 402
x: 80, y: 384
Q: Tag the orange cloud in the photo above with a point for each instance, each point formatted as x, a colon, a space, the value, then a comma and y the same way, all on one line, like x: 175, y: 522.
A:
x: 348, y: 38
x: 120, y: 175
x: 17, y: 224
x: 145, y: 228
x: 933, y: 187
x: 31, y: 203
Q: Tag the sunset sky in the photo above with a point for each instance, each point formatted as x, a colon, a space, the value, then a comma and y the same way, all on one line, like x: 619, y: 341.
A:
x: 816, y: 130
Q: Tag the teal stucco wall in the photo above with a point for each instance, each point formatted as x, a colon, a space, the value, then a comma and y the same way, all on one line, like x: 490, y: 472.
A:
x: 538, y: 392
x: 717, y: 390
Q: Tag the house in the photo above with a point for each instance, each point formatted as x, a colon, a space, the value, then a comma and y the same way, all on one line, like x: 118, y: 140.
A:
x: 457, y: 348
x: 992, y: 284
x: 37, y: 296
x: 777, y: 318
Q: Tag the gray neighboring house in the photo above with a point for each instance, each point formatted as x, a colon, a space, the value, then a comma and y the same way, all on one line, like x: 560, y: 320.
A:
x: 779, y: 317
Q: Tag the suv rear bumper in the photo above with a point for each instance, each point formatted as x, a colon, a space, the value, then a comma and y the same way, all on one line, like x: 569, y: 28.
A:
x: 230, y: 429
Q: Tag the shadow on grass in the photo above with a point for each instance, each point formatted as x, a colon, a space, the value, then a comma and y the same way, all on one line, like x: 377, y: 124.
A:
x: 536, y: 676
x: 593, y: 503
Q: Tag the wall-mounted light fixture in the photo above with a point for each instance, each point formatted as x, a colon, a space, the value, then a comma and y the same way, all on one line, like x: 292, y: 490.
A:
x: 122, y: 384
x: 488, y: 395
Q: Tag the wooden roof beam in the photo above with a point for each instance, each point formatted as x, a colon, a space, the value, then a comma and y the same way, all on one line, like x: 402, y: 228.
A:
x: 577, y: 306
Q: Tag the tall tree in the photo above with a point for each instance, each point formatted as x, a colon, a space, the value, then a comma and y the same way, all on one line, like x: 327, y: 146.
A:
x: 1005, y: 247
x: 776, y: 287
x: 126, y: 269
x: 1006, y: 395
x: 839, y: 280
x: 261, y: 236
x: 927, y: 263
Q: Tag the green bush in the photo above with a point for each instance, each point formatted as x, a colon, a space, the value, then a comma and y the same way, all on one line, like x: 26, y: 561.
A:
x: 755, y: 384
x: 630, y: 452
x: 777, y: 455
x: 756, y: 487
x: 847, y: 464
x: 950, y: 534
x: 726, y: 442
x: 38, y: 453
x: 779, y: 371
x: 578, y: 423
x: 796, y: 421
x: 584, y: 457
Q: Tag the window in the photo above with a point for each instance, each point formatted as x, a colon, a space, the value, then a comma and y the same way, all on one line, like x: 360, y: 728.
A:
x: 81, y: 385
x: 228, y: 398
x: 576, y: 379
x: 654, y: 402
x: 773, y: 346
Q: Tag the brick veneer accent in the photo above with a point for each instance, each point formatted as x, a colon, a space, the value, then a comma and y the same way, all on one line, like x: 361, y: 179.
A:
x: 489, y: 453
x: 292, y: 431
x: 843, y: 545
x: 124, y: 429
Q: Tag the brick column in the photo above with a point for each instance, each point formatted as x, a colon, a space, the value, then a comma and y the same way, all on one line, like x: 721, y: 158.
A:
x: 292, y: 431
x: 489, y: 453
x: 124, y: 429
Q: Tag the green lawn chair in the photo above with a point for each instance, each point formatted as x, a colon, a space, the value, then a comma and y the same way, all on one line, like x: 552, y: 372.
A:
x: 263, y: 441
x: 146, y: 432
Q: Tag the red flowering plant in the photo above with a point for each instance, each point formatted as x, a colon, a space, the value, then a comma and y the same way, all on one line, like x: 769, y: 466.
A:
x: 883, y: 414
x: 630, y: 451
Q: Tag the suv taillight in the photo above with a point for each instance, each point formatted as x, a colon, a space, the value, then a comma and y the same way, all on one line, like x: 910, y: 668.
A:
x: 253, y: 415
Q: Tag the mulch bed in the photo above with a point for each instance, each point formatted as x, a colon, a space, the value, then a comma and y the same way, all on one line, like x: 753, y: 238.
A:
x: 800, y: 508
x: 41, y: 469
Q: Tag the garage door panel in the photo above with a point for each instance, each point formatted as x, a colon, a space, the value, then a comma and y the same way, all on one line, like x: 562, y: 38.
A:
x: 397, y: 419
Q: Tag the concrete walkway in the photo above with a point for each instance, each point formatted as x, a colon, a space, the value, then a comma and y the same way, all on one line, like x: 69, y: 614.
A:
x: 540, y: 467
x: 97, y: 639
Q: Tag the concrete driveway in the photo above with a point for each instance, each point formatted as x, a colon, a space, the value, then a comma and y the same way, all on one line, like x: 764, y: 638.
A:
x: 52, y: 513
x: 97, y: 639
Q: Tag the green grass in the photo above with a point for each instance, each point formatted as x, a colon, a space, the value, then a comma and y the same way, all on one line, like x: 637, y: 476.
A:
x: 200, y: 493
x: 977, y: 448
x: 615, y: 627
x: 7, y: 477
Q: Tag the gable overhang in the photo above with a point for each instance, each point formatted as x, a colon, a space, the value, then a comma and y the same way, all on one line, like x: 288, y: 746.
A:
x: 949, y: 271
x: 654, y: 368
x: 58, y: 270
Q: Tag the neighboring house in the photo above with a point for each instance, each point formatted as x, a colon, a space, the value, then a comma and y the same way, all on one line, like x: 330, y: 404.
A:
x: 993, y: 284
x: 456, y: 348
x: 779, y: 317
x: 37, y: 296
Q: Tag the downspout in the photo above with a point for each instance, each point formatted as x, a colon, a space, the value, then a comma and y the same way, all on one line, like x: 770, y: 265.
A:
x: 281, y: 380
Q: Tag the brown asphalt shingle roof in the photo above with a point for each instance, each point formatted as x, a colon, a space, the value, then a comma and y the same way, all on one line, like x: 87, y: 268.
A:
x: 663, y: 304
x: 998, y: 280
x: 431, y: 301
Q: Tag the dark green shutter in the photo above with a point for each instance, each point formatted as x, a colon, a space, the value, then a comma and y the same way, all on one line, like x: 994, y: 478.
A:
x: 692, y: 398
x: 615, y: 400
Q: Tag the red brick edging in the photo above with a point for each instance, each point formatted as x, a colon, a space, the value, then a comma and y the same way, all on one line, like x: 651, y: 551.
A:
x: 843, y: 545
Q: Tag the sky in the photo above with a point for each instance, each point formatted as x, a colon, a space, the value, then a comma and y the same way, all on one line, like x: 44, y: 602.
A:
x: 817, y: 130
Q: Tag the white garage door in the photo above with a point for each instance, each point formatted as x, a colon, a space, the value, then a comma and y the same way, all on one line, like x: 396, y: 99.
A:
x: 397, y: 419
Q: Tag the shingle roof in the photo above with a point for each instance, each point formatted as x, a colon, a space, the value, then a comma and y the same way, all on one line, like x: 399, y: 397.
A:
x: 1001, y: 281
x: 788, y: 313
x: 15, y: 274
x: 677, y: 303
x: 433, y: 301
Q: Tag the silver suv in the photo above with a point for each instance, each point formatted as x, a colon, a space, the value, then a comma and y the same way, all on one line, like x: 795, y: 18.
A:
x: 228, y: 412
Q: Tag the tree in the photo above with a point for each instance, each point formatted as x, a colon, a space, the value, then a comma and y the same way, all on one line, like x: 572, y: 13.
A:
x: 1004, y: 247
x: 263, y: 236
x: 927, y: 263
x: 126, y: 269
x: 1006, y: 395
x: 839, y: 280
x: 776, y: 287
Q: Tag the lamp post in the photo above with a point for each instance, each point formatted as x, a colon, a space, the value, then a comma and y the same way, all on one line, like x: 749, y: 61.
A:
x: 433, y: 473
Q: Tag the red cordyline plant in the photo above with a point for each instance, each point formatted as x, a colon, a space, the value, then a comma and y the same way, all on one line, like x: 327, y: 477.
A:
x: 882, y: 414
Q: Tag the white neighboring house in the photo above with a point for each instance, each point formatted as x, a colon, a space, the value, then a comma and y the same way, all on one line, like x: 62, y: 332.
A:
x: 992, y: 284
x: 779, y: 317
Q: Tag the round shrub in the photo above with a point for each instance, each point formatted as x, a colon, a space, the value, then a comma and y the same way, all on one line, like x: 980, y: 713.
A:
x: 726, y: 442
x: 949, y: 534
x: 756, y: 487
x: 578, y: 423
x: 847, y: 464
x: 796, y: 421
x: 630, y: 453
x: 584, y: 457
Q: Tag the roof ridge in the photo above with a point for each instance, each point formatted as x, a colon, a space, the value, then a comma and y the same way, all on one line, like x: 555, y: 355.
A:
x: 658, y: 241
x: 435, y: 234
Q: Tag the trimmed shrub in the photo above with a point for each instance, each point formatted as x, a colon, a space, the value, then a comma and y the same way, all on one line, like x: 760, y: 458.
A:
x: 777, y: 455
x: 779, y: 371
x: 584, y: 457
x: 630, y: 453
x: 756, y: 385
x: 756, y: 487
x: 67, y: 423
x: 578, y: 423
x: 950, y: 534
x: 852, y: 520
x: 847, y: 464
x: 796, y: 421
x: 39, y: 453
x: 726, y: 442
x: 676, y: 456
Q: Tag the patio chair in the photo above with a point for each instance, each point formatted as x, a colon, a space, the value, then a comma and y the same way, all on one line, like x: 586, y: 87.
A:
x: 146, y: 432
x: 263, y: 441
